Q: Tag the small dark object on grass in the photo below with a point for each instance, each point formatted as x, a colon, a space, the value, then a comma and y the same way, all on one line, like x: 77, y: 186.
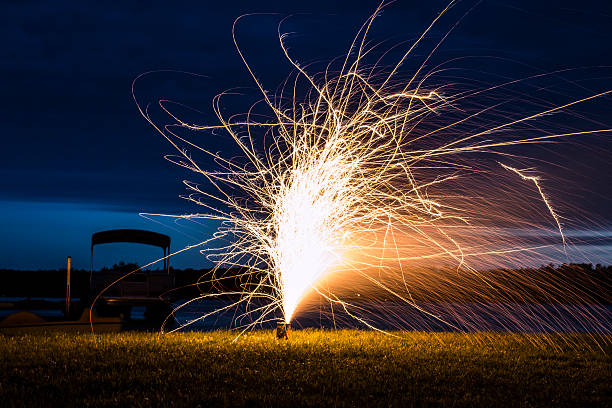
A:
x: 282, y: 330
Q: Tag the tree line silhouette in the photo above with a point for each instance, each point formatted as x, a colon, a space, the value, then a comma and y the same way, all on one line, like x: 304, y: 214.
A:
x: 572, y: 283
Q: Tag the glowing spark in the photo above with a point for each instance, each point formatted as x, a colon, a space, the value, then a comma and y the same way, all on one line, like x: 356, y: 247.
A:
x: 536, y: 181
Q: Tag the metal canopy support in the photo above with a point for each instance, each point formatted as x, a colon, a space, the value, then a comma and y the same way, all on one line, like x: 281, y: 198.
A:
x: 134, y: 236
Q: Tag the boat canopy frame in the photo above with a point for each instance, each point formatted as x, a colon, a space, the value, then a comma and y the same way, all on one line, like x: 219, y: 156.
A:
x: 133, y: 236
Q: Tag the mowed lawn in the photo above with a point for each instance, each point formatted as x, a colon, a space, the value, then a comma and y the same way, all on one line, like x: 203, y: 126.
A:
x: 314, y: 368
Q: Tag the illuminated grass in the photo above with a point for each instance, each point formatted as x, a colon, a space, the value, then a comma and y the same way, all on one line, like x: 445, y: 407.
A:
x: 314, y: 368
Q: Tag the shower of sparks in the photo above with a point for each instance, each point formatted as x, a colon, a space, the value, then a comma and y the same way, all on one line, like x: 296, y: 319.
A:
x: 367, y: 176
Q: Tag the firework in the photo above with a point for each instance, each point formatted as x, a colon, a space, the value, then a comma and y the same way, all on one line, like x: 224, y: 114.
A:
x: 367, y: 180
x: 282, y: 330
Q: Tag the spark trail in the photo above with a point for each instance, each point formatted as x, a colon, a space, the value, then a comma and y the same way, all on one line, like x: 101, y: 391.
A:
x: 536, y: 181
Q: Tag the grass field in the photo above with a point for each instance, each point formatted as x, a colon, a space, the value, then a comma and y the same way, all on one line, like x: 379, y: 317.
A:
x: 314, y: 368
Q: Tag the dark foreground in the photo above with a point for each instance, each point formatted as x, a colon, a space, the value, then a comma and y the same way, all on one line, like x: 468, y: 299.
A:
x: 314, y: 368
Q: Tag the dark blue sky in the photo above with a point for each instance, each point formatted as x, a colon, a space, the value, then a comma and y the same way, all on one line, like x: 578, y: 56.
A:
x: 78, y: 158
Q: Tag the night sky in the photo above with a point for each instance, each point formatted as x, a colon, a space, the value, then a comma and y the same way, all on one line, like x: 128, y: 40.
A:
x: 78, y: 158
